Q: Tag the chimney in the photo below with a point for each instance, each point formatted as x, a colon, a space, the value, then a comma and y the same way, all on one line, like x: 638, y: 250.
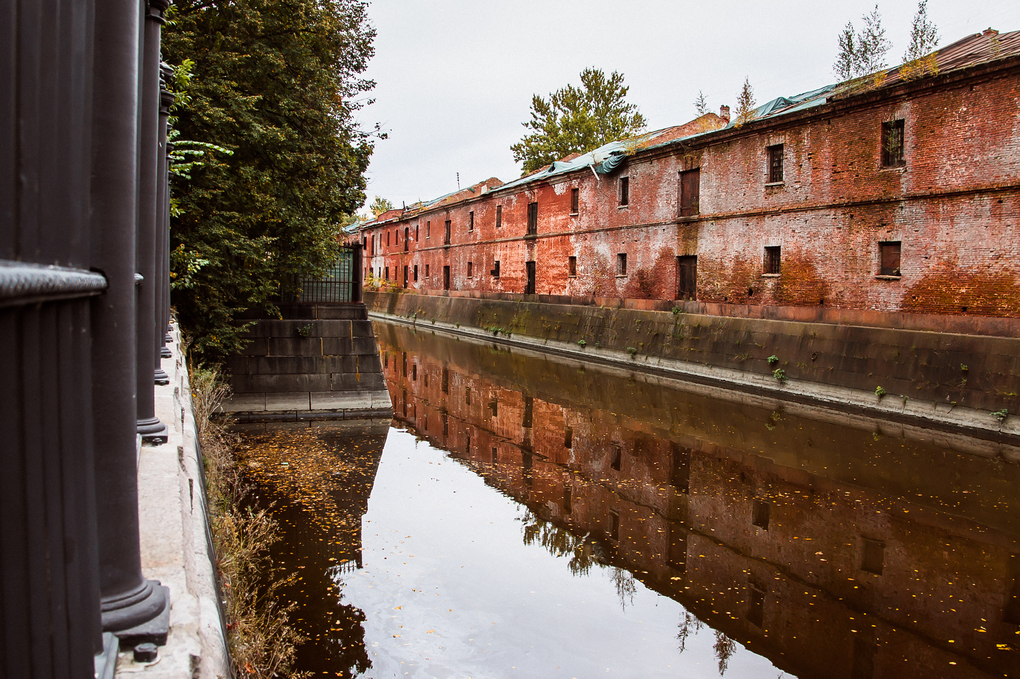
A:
x: 989, y: 31
x: 724, y: 113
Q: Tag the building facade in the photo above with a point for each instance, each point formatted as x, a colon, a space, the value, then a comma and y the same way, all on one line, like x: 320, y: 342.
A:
x: 896, y: 193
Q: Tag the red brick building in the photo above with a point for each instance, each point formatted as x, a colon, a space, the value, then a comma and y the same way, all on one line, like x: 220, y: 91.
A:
x: 899, y: 192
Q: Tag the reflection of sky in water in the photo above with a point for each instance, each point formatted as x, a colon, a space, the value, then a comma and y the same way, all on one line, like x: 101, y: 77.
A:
x: 450, y: 590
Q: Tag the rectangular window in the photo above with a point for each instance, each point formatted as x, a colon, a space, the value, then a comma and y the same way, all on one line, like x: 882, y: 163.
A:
x: 617, y: 460
x: 387, y: 239
x: 446, y: 236
x: 614, y: 524
x: 471, y: 269
x: 396, y: 236
x: 760, y: 514
x: 775, y: 164
x: 426, y: 271
x: 575, y: 200
x: 873, y: 559
x: 446, y: 278
x: 571, y: 266
x: 624, y: 191
x: 407, y: 237
x: 680, y: 470
x: 892, y: 144
x: 687, y: 277
x: 471, y: 221
x: 772, y: 259
x: 467, y: 395
x: 499, y: 216
x: 415, y: 273
x: 405, y: 275
x: 428, y: 229
x: 532, y: 218
x: 621, y: 264
x: 416, y: 232
x: 568, y: 505
x: 889, y: 253
x: 568, y: 437
x: 387, y: 273
x: 690, y: 190
x: 495, y: 269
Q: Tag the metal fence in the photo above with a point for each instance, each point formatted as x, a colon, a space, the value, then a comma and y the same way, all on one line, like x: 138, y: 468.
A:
x: 340, y: 284
x: 83, y: 311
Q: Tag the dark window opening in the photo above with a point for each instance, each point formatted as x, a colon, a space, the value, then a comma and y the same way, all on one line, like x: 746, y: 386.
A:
x: 446, y: 278
x: 499, y: 216
x: 617, y: 461
x: 426, y: 271
x: 873, y: 560
x: 495, y: 269
x: 680, y: 472
x: 467, y: 396
x: 571, y: 266
x: 775, y: 164
x: 532, y: 218
x: 495, y: 455
x: 471, y: 221
x: 690, y: 192
x: 756, y: 607
x: 404, y: 355
x: 446, y: 424
x: 396, y: 236
x: 428, y: 229
x: 467, y: 445
x: 567, y: 503
x: 772, y: 259
x: 387, y: 239
x: 529, y: 288
x: 621, y: 264
x: 387, y: 273
x: 405, y: 275
x: 568, y: 437
x: 446, y: 235
x: 575, y: 200
x: 614, y: 524
x: 889, y: 253
x: 415, y: 273
x: 494, y: 407
x: 892, y: 144
x: 445, y: 384
x: 416, y: 231
x: 529, y: 406
x: 471, y: 269
x: 687, y: 277
x: 676, y: 555
x: 624, y: 191
x: 414, y: 372
x: 760, y: 514
x: 407, y: 232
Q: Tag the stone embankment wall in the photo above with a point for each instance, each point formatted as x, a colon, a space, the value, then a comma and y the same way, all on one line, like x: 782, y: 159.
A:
x: 931, y: 375
x: 319, y: 359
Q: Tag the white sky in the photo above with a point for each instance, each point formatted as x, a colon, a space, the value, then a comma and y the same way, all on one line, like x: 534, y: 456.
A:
x: 455, y: 77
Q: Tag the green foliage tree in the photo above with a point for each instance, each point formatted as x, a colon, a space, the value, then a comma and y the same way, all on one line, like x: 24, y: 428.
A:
x: 379, y: 206
x: 277, y: 83
x: 577, y: 120
x: 746, y: 105
x: 924, y: 36
x: 862, y: 53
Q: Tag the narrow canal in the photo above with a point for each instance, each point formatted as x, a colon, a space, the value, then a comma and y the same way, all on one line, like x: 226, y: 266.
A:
x: 528, y: 516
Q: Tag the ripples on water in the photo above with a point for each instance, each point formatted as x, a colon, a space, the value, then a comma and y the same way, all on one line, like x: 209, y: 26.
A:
x: 530, y: 517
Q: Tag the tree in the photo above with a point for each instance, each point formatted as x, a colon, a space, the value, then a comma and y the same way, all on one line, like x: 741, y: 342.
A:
x: 746, y: 105
x: 863, y: 53
x: 276, y: 82
x: 379, y: 206
x: 923, y: 34
x: 577, y: 120
x: 700, y: 105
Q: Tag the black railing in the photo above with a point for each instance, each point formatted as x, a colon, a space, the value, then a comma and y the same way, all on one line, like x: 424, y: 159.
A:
x: 340, y: 284
x: 83, y: 313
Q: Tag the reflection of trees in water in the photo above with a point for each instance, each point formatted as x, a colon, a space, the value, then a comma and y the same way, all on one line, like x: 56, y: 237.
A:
x: 560, y: 542
x: 623, y: 580
x: 724, y: 648
x: 689, y: 624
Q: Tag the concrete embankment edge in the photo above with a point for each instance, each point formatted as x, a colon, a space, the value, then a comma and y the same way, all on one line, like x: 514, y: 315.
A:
x: 176, y: 544
x: 847, y: 355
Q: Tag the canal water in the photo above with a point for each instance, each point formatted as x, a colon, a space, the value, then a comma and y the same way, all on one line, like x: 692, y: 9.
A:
x: 524, y: 515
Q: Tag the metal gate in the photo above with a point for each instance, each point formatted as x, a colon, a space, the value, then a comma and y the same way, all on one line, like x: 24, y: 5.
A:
x: 341, y: 282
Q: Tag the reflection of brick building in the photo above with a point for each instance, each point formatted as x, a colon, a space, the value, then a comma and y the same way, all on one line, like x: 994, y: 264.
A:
x: 898, y: 194
x: 826, y: 576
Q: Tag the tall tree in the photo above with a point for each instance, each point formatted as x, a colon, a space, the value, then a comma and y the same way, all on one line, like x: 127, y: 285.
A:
x: 577, y: 120
x: 923, y: 34
x: 379, y: 206
x: 746, y: 105
x: 862, y: 53
x: 276, y: 82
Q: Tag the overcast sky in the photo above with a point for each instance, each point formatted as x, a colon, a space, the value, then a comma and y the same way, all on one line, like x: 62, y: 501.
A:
x: 454, y: 78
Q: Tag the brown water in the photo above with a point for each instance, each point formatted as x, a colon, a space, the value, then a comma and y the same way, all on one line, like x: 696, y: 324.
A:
x: 525, y: 516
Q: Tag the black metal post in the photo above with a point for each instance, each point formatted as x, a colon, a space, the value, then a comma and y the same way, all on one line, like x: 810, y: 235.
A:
x: 357, y: 274
x: 149, y: 426
x: 166, y: 99
x: 131, y: 605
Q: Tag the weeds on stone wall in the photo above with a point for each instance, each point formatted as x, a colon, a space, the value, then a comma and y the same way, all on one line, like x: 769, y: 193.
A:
x: 262, y: 643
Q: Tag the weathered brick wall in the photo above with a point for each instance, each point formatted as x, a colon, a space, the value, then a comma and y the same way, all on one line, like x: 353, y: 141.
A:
x: 954, y: 206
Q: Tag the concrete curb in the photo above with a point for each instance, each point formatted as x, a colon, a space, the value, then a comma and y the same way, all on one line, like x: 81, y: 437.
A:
x: 836, y: 403
x: 176, y: 546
